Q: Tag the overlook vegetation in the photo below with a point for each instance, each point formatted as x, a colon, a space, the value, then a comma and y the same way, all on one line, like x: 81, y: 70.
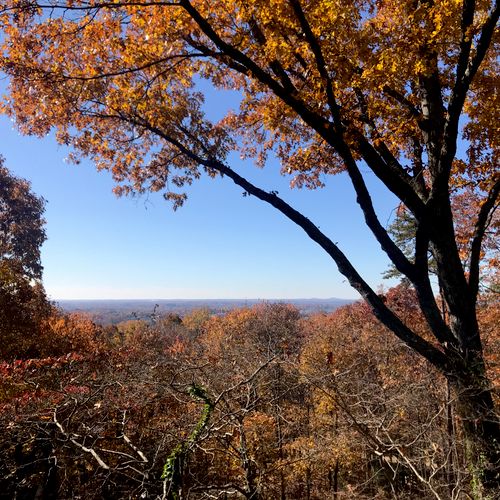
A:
x: 326, y: 406
x: 392, y: 397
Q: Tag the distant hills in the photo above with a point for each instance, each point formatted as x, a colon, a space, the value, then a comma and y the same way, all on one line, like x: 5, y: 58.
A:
x: 115, y: 311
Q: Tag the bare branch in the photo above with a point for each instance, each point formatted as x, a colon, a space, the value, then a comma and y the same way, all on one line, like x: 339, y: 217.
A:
x: 481, y: 225
x: 71, y: 437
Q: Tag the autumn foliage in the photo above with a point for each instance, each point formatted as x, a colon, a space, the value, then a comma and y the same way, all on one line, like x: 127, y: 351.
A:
x: 302, y: 407
x: 406, y: 92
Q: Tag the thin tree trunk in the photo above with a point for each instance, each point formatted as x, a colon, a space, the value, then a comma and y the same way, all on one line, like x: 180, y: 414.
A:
x: 252, y: 491
x: 308, y: 483
x: 450, y: 475
x: 336, y: 479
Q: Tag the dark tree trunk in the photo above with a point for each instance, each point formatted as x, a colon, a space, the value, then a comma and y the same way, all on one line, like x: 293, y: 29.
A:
x: 481, y: 430
x: 251, y: 487
x: 308, y: 483
x: 468, y: 379
x: 450, y: 441
x: 336, y: 479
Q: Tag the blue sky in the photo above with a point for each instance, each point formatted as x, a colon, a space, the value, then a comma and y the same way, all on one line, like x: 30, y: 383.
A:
x: 219, y: 245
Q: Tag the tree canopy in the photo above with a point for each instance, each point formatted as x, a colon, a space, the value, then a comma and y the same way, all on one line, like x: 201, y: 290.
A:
x: 22, y: 231
x: 23, y: 303
x: 408, y: 90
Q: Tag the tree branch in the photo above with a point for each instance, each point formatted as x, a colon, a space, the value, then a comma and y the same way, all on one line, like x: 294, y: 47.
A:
x: 383, y: 163
x: 425, y: 294
x: 275, y: 65
x: 381, y: 311
x: 483, y: 218
x: 464, y: 78
x: 402, y: 264
x: 71, y: 438
x: 320, y: 63
x: 468, y: 9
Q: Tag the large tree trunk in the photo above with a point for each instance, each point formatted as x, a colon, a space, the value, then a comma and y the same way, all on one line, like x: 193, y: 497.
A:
x: 480, y: 426
x: 472, y: 390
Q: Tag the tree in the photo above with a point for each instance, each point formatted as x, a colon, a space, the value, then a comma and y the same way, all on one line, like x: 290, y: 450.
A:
x: 326, y: 86
x: 466, y: 201
x: 91, y: 419
x: 389, y: 406
x: 246, y: 360
x: 22, y: 231
x: 23, y: 303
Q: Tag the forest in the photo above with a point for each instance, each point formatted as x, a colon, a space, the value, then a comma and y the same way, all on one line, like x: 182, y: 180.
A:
x: 394, y: 396
x: 257, y: 403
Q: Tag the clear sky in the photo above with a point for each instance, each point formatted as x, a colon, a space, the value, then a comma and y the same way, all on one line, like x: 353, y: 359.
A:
x: 219, y: 245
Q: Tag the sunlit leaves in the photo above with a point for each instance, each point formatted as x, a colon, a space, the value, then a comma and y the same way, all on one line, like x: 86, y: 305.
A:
x: 121, y: 82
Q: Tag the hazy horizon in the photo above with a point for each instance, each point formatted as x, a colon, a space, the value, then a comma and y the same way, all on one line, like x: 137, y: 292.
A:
x: 228, y: 299
x: 109, y: 311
